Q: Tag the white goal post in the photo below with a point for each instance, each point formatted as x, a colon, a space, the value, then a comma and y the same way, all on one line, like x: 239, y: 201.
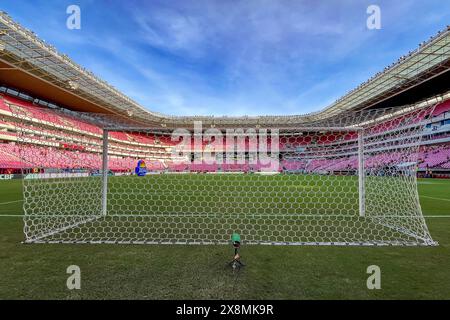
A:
x: 329, y: 182
x: 361, y: 173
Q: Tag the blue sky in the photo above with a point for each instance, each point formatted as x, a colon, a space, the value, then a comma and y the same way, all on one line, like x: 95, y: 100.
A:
x: 230, y: 57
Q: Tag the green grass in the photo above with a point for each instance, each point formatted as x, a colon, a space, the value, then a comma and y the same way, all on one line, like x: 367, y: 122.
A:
x: 198, y: 272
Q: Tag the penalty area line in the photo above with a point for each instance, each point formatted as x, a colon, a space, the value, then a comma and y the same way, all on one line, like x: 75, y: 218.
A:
x: 434, y: 198
x: 37, y: 216
x: 437, y: 216
x: 8, y: 202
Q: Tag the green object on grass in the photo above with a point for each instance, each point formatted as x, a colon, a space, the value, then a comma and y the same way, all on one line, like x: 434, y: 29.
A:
x: 235, y: 237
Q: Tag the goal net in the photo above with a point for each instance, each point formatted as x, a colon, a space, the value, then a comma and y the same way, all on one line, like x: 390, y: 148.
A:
x: 347, y: 180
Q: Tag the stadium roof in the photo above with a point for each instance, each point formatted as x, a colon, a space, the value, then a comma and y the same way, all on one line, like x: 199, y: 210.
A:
x: 30, y: 65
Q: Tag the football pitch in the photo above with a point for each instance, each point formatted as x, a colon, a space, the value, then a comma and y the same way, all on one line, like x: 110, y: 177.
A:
x: 198, y: 272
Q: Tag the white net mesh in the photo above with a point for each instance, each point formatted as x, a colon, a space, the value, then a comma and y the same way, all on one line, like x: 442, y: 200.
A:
x: 350, y: 180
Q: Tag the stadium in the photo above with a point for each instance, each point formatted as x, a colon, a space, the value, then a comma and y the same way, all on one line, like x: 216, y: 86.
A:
x: 103, y: 180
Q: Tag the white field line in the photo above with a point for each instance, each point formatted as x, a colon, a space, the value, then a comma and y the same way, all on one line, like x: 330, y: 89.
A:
x: 443, y: 216
x: 15, y: 201
x: 21, y: 215
x: 434, y: 198
x: 430, y: 183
